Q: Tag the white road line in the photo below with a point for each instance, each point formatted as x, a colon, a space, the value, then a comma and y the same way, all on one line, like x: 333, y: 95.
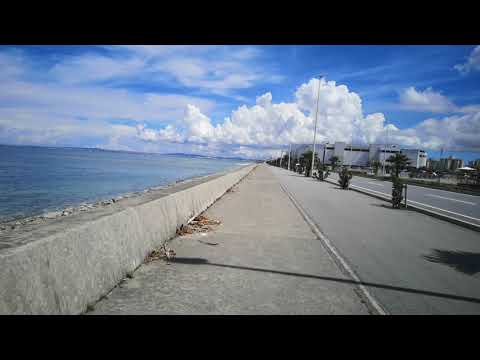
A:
x: 333, y: 251
x: 374, y: 183
x: 422, y: 204
x: 446, y: 198
x: 378, y: 192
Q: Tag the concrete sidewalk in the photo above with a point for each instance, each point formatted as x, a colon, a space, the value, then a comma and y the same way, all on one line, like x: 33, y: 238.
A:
x: 267, y: 261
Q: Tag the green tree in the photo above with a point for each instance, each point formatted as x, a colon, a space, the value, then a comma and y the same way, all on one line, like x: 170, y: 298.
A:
x: 345, y: 177
x: 334, y: 160
x: 397, y: 192
x: 323, y: 172
x: 376, y: 165
x: 306, y: 161
x: 399, y: 162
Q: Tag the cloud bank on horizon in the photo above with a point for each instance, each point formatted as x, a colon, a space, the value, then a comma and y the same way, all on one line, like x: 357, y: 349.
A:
x: 198, y: 99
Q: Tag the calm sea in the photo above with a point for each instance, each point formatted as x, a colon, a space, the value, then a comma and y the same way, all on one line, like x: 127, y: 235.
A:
x: 34, y: 180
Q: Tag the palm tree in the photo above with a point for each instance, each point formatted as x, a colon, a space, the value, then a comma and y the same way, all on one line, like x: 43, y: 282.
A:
x: 306, y: 161
x: 397, y: 192
x: 399, y: 162
x: 334, y: 160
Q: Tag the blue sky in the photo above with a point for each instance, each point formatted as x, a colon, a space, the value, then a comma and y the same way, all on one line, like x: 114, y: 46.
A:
x: 245, y: 101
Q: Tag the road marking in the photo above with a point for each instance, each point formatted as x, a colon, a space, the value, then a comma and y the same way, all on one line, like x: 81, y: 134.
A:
x: 419, y: 203
x: 446, y: 198
x: 336, y: 255
x: 374, y: 183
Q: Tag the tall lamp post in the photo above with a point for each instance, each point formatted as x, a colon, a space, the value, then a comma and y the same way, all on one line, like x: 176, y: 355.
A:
x: 384, y: 149
x: 315, y: 130
x: 289, y: 151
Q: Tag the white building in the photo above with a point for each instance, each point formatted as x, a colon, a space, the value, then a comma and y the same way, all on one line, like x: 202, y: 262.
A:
x: 361, y: 155
x: 417, y: 157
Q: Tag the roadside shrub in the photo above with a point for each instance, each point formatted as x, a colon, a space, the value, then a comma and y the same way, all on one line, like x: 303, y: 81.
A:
x: 345, y: 177
x: 323, y: 173
x: 397, y: 192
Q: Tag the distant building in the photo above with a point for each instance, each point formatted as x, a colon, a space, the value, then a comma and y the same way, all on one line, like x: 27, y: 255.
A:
x: 361, y: 155
x: 433, y: 164
x: 450, y: 164
x: 417, y: 157
x: 456, y: 164
x: 474, y: 164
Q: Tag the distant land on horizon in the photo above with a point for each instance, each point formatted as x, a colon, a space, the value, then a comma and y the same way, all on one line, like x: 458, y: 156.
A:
x: 130, y: 152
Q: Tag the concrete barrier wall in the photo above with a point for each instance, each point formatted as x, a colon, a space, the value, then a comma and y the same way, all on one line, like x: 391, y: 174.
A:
x: 64, y: 272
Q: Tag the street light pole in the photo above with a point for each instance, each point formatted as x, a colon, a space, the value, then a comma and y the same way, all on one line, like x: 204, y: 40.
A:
x: 315, y: 130
x: 383, y: 162
x: 324, y: 149
x: 289, y: 151
x: 387, y: 137
x: 351, y: 151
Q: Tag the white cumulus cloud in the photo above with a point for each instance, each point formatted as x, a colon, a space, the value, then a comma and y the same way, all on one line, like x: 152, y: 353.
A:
x: 472, y: 63
x: 265, y: 127
x: 425, y: 101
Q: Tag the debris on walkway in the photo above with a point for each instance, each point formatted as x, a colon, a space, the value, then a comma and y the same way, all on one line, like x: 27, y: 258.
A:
x: 201, y: 224
x: 203, y: 220
x: 207, y: 242
x: 161, y: 253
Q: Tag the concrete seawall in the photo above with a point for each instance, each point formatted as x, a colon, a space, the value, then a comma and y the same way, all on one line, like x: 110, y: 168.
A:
x: 64, y: 271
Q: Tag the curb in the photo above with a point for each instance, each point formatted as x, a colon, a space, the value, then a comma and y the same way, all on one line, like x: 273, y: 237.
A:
x: 435, y: 214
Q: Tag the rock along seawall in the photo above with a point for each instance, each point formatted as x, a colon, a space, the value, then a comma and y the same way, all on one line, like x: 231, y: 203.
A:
x: 65, y: 271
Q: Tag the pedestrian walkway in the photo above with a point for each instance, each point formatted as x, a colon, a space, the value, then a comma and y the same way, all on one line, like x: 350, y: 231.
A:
x: 266, y: 261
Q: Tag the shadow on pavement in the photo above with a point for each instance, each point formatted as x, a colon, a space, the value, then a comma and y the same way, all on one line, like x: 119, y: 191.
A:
x: 463, y: 261
x: 191, y: 261
x: 201, y: 261
x: 385, y: 206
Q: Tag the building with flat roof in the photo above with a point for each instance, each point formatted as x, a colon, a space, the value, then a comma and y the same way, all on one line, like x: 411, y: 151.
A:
x: 433, y: 164
x: 361, y: 155
x: 474, y: 164
x: 450, y: 164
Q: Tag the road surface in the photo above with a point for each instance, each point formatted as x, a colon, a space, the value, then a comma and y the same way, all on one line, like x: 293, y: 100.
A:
x: 411, y: 262
x: 460, y: 206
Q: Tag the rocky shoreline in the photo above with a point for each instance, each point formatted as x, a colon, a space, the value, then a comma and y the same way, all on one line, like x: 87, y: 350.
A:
x: 9, y: 226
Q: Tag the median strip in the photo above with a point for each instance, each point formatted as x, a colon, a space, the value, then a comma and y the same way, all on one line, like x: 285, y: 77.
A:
x: 418, y: 207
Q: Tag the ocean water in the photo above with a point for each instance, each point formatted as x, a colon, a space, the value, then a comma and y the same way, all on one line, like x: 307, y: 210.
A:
x: 35, y: 180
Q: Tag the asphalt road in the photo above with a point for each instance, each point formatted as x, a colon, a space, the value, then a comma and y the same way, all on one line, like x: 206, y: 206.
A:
x: 412, y: 263
x: 461, y: 206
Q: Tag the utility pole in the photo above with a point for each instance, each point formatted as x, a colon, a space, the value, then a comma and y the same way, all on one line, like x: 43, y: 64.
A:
x: 289, y: 151
x: 387, y: 136
x: 315, y: 130
x: 351, y: 150
x: 384, y: 146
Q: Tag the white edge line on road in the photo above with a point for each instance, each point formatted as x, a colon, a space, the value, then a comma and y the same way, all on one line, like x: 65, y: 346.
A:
x: 423, y: 188
x: 374, y: 183
x: 446, y: 198
x: 419, y: 203
x: 373, y: 302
